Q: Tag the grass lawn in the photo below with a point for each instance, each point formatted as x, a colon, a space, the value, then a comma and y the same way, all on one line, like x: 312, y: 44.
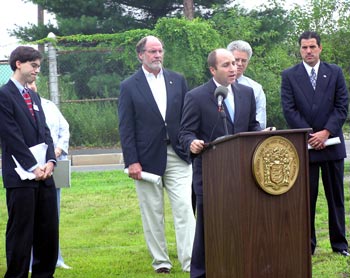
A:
x: 101, y: 232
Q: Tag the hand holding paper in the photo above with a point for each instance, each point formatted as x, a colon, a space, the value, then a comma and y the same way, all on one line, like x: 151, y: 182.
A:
x: 147, y: 176
x: 329, y: 142
x: 39, y: 152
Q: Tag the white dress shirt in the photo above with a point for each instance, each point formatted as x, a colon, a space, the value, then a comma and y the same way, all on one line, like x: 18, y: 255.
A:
x: 308, y: 68
x: 58, y: 126
x: 260, y: 98
x: 157, y: 85
x: 229, y: 100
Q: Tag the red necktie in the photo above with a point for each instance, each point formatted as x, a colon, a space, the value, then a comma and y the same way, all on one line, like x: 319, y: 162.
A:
x: 28, y: 101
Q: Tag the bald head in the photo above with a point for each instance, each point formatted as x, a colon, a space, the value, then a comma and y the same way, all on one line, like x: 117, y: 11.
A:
x: 222, y: 66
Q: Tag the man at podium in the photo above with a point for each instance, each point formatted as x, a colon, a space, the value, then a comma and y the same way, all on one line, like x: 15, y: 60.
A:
x: 208, y: 115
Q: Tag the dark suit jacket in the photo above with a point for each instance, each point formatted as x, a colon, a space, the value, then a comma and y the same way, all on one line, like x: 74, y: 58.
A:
x: 201, y: 120
x: 324, y: 108
x: 18, y: 132
x: 143, y: 131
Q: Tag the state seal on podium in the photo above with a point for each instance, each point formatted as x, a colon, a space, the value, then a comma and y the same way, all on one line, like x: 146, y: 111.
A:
x: 275, y: 165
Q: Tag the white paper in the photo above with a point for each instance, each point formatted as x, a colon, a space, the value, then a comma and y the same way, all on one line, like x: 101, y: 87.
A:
x: 147, y: 176
x: 329, y: 142
x: 39, y: 152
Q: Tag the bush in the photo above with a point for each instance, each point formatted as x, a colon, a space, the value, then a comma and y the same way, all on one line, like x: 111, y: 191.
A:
x: 92, y: 123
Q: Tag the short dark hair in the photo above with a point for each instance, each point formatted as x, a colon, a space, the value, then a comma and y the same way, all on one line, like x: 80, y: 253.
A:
x: 310, y: 35
x: 23, y: 54
x: 212, y: 59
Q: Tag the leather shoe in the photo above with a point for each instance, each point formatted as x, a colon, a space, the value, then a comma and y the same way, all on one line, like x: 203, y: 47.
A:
x: 344, y: 253
x: 163, y: 270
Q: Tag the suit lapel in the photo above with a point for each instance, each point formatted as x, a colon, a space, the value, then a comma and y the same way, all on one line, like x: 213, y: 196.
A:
x: 171, y: 93
x: 20, y: 101
x: 237, y: 99
x: 145, y: 91
x: 323, y: 78
x: 303, y: 80
x: 212, y: 87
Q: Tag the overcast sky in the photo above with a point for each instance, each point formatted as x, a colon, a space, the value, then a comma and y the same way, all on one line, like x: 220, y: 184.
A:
x: 15, y: 12
x: 18, y: 12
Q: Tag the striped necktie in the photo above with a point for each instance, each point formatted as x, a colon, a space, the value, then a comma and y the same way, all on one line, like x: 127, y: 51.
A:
x: 313, y: 78
x: 28, y: 100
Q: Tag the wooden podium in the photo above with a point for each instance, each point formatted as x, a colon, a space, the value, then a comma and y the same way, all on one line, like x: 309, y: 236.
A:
x: 250, y: 233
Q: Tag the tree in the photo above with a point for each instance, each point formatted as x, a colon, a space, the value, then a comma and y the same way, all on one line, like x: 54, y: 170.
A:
x: 108, y: 16
x: 188, y: 9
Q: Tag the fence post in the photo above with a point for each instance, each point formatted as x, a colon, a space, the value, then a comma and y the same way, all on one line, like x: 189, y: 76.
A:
x: 53, y: 76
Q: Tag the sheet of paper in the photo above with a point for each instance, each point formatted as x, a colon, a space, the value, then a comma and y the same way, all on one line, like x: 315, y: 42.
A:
x: 329, y: 142
x: 39, y: 152
x: 147, y: 176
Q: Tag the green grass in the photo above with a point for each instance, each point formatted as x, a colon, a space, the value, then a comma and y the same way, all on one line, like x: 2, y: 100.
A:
x: 101, y: 232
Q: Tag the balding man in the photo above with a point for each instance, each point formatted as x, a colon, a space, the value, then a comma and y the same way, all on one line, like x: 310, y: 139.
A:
x: 202, y: 123
x: 150, y: 108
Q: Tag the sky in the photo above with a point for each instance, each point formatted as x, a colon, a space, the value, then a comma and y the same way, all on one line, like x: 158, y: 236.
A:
x: 18, y: 12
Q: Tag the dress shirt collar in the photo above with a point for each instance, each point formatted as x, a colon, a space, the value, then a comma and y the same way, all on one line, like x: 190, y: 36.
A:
x: 19, y: 86
x: 150, y: 74
x: 228, y: 87
x: 308, y: 68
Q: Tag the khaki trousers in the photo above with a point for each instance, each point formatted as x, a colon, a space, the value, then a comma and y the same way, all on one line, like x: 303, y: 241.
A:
x: 177, y: 181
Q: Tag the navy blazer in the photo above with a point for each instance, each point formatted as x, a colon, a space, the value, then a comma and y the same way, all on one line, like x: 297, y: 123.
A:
x: 201, y: 120
x: 19, y: 131
x: 143, y: 131
x: 324, y: 108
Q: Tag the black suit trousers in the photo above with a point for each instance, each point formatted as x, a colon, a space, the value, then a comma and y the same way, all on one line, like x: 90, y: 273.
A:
x: 198, y: 252
x: 32, y: 222
x: 332, y: 173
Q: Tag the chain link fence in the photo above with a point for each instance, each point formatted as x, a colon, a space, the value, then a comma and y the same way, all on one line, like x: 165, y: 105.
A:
x: 5, y: 72
x: 87, y: 88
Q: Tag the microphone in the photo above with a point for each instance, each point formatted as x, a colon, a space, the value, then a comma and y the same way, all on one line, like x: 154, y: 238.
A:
x: 220, y: 94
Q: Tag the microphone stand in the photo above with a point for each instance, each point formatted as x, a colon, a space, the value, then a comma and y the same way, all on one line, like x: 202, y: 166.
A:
x: 223, y: 117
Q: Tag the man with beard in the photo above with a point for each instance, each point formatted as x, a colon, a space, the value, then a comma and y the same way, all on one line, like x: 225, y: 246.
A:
x: 150, y: 106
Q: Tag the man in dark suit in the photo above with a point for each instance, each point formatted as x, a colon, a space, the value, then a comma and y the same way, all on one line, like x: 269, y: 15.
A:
x: 202, y: 123
x: 322, y: 106
x: 149, y: 107
x: 31, y: 203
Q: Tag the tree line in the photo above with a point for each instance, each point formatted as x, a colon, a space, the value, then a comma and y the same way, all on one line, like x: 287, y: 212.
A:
x: 114, y: 27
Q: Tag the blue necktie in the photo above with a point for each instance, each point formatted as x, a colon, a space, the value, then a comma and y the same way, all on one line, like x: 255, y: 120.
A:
x: 313, y: 78
x: 230, y: 109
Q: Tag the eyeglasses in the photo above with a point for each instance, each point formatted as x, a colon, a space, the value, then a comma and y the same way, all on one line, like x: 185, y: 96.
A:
x: 243, y: 61
x: 153, y: 52
x: 35, y: 65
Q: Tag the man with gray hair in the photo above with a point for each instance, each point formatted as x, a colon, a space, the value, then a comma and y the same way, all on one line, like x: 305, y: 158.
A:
x: 150, y: 110
x: 243, y: 52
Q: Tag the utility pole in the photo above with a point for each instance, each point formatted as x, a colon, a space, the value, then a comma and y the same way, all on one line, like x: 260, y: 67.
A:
x: 41, y: 47
x: 53, y: 75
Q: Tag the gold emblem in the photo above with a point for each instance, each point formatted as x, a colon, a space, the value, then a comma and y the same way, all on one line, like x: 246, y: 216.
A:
x: 275, y: 165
